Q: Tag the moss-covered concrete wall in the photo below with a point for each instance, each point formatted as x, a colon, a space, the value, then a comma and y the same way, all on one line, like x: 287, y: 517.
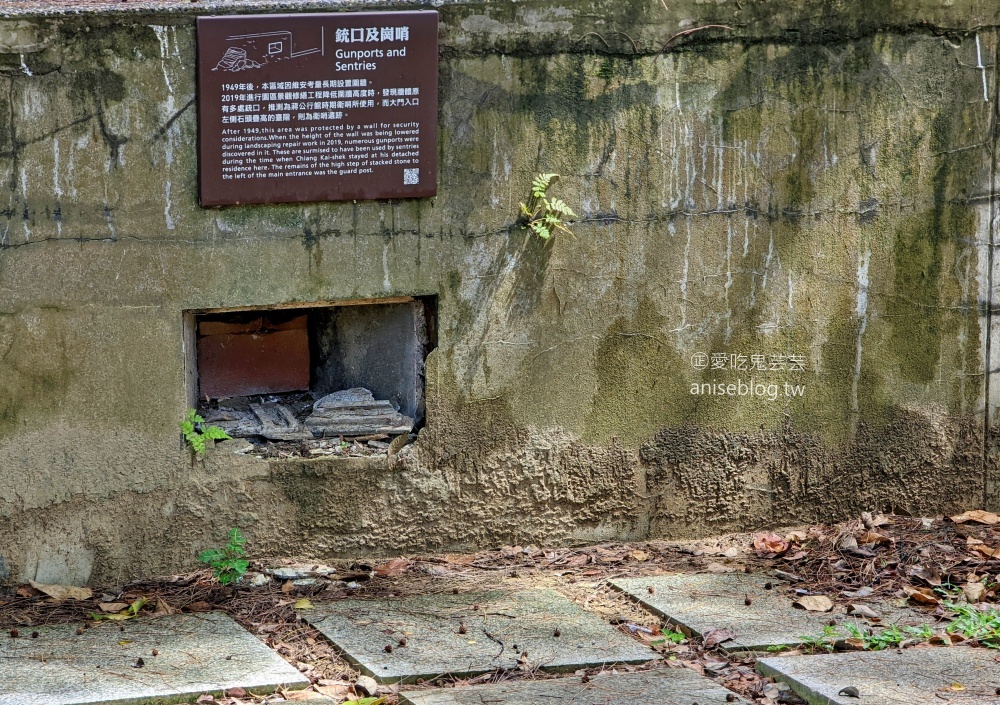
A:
x: 797, y: 189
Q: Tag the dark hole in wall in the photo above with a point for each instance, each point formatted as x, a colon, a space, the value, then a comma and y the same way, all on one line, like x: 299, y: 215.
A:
x: 319, y: 349
x: 380, y: 347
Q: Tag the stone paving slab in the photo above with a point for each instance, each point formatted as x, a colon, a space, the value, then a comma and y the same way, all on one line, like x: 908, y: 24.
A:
x: 706, y: 601
x: 674, y: 686
x: 499, y: 626
x: 198, y: 653
x: 921, y: 676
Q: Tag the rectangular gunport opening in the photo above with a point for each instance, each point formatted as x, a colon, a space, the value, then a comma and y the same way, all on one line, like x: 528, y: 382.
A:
x: 313, y: 379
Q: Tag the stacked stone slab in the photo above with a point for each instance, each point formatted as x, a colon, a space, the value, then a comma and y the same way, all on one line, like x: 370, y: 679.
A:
x: 662, y: 687
x: 914, y: 676
x: 702, y: 602
x: 355, y: 412
x: 471, y: 633
x: 177, y: 658
x: 168, y: 659
x: 349, y: 412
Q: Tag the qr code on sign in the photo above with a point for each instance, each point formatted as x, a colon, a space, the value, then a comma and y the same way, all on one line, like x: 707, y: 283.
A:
x: 411, y: 177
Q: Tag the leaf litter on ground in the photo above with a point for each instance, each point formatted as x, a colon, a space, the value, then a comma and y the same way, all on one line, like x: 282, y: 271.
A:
x: 875, y: 558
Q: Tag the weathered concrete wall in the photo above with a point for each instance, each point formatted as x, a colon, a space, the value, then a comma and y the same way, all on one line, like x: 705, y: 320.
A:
x: 811, y: 179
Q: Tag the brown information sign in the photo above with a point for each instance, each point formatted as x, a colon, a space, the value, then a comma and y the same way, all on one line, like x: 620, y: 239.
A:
x: 317, y: 107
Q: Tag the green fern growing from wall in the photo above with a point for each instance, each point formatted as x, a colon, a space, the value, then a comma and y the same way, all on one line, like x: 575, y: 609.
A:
x: 197, y: 434
x: 544, y: 215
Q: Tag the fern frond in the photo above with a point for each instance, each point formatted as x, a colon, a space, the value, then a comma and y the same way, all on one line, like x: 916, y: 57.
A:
x: 540, y: 230
x: 559, y: 206
x: 544, y: 216
x: 196, y: 433
x: 216, y: 434
x: 197, y: 442
x: 212, y: 555
x: 541, y: 184
x: 236, y: 541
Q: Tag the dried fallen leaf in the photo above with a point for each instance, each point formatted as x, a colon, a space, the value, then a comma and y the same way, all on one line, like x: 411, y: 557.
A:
x: 719, y: 568
x: 987, y: 551
x: 797, y: 536
x: 638, y: 555
x: 460, y: 558
x: 946, y: 639
x: 862, y: 611
x: 850, y: 644
x: 715, y: 666
x: 973, y: 592
x: 27, y: 591
x: 769, y: 545
x: 931, y: 576
x: 397, y: 566
x: 331, y: 687
x: 63, y: 592
x: 814, y: 603
x: 647, y: 638
x: 978, y: 516
x: 873, y: 537
x: 365, y: 686
x: 785, y: 575
x: 163, y: 607
x: 303, y: 604
x: 712, y: 637
x: 112, y: 606
x: 864, y: 591
x: 922, y: 595
x: 297, y: 695
x: 847, y: 543
x: 606, y: 555
x: 199, y: 606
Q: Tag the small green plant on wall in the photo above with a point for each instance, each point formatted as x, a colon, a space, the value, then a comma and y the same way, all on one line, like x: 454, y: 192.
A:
x: 197, y: 433
x: 544, y: 215
x: 229, y: 563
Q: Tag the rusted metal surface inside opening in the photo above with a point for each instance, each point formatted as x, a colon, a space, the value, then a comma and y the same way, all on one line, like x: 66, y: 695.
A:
x: 314, y: 372
x: 245, y: 353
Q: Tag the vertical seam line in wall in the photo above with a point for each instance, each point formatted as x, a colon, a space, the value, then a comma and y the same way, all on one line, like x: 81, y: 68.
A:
x: 994, y: 115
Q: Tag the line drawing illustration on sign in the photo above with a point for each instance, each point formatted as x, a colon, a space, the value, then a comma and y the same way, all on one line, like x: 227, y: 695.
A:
x: 235, y: 59
x: 265, y: 47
